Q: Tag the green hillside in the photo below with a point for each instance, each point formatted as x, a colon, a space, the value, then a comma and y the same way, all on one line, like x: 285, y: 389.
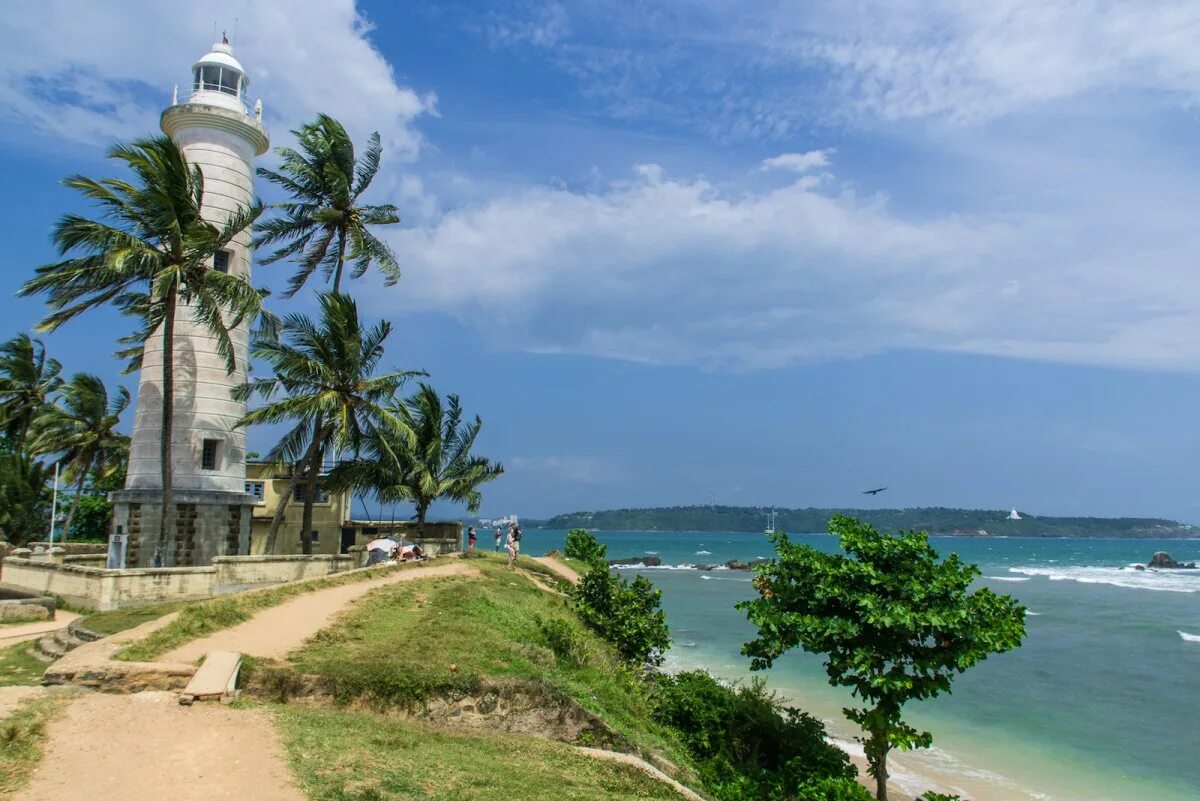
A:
x: 935, y: 520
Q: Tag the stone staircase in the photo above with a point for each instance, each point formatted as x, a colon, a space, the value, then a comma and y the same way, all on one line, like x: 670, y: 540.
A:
x: 57, y: 644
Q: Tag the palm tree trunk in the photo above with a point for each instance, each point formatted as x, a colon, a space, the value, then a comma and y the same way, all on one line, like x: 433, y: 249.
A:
x: 281, y: 507
x: 422, y: 510
x: 337, y: 275
x: 75, y: 502
x: 168, y: 415
x: 313, y: 469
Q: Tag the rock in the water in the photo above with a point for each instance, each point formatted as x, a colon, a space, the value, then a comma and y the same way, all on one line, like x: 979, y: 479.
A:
x: 1162, y: 559
x: 640, y: 561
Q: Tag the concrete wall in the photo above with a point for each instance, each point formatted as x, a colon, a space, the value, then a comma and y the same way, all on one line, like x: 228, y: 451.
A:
x: 328, y: 515
x: 442, y: 537
x: 102, y: 589
x: 207, y: 525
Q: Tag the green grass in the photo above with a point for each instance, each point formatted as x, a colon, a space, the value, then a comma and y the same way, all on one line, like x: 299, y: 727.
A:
x: 18, y: 667
x: 202, y: 618
x: 355, y: 756
x: 22, y: 737
x: 398, y: 644
x: 123, y: 619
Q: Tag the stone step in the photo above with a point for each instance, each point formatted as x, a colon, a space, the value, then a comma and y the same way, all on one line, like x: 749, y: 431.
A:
x: 48, y: 649
x: 216, y: 680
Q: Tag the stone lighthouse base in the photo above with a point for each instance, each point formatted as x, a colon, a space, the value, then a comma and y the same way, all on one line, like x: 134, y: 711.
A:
x: 206, y: 525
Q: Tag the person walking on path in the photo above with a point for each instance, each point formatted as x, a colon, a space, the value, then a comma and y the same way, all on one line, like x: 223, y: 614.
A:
x: 471, y: 538
x: 498, y: 538
x: 510, y: 544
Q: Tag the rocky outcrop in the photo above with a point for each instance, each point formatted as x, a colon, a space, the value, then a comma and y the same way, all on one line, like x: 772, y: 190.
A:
x: 1162, y: 559
x: 637, y: 561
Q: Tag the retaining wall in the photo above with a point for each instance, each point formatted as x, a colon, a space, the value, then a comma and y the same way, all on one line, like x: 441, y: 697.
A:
x: 98, y: 588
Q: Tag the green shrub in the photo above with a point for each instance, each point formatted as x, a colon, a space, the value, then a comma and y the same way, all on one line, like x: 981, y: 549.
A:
x: 833, y: 790
x: 748, y: 744
x: 583, y: 546
x: 91, y: 519
x: 932, y: 796
x: 626, y: 613
x: 562, y: 638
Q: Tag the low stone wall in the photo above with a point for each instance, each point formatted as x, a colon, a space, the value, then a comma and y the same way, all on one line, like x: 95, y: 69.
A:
x: 75, y: 548
x: 98, y: 588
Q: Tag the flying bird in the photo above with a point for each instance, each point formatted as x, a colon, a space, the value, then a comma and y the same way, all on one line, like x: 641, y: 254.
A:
x: 874, y: 491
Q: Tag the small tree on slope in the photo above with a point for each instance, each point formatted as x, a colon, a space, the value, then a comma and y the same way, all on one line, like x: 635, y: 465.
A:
x: 894, y: 623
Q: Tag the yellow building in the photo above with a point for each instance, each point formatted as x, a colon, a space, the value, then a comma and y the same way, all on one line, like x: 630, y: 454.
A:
x: 266, y: 483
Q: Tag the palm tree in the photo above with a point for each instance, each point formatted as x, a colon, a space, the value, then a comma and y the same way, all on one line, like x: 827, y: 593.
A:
x: 324, y: 222
x: 150, y: 255
x: 437, y: 464
x: 81, y: 430
x: 28, y: 377
x: 326, y: 375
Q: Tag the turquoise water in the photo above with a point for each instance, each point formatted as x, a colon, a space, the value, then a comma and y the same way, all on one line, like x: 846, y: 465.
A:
x: 1101, y: 702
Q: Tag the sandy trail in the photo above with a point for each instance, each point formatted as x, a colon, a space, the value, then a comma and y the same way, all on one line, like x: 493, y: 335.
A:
x: 12, y: 697
x: 19, y: 632
x: 147, y: 746
x: 276, y: 632
x: 558, y: 567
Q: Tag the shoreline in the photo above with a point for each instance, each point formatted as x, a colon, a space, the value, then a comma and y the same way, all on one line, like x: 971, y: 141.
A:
x: 965, y: 536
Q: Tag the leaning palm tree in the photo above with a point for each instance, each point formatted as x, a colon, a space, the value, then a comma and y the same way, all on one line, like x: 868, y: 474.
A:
x: 150, y: 255
x: 323, y: 224
x: 324, y: 384
x: 28, y: 377
x: 81, y: 430
x: 438, y: 463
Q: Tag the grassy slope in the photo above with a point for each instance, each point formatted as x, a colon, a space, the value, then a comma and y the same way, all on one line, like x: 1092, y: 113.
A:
x: 400, y: 642
x: 122, y: 619
x: 355, y: 756
x: 18, y: 667
x: 22, y: 737
x: 203, y: 618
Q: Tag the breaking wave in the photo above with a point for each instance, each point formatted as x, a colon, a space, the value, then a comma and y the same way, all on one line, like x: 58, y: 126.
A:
x: 1127, y: 577
x: 1183, y: 635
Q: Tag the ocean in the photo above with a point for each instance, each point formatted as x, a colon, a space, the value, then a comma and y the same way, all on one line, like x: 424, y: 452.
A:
x: 1101, y: 703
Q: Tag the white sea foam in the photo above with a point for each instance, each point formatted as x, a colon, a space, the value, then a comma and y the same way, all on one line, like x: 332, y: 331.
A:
x: 1189, y: 637
x: 1007, y: 578
x: 707, y: 577
x: 1127, y: 577
x: 1028, y: 613
x: 656, y: 567
x: 652, y: 553
x: 703, y: 553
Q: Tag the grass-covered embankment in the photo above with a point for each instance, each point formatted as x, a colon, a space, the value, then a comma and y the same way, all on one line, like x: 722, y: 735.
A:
x: 22, y: 738
x: 18, y: 667
x: 340, y: 755
x: 200, y: 619
x: 407, y: 642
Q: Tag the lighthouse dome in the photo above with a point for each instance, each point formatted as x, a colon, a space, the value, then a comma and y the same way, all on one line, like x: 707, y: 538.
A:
x: 219, y: 79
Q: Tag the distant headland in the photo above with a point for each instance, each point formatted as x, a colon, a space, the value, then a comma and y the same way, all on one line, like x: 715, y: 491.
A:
x: 935, y: 520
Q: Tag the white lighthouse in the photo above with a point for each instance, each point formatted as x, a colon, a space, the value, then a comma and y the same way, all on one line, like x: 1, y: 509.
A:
x: 216, y: 130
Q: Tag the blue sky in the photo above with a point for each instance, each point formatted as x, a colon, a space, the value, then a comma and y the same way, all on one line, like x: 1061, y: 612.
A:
x: 756, y: 252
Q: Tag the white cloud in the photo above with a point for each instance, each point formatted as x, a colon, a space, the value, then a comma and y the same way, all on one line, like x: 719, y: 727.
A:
x: 798, y: 162
x: 970, y: 61
x: 95, y: 72
x: 572, y: 469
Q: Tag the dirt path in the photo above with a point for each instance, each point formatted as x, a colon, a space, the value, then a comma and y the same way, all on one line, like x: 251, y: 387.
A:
x: 147, y: 746
x: 558, y: 567
x: 642, y: 765
x: 276, y: 632
x: 11, y: 698
x: 19, y: 632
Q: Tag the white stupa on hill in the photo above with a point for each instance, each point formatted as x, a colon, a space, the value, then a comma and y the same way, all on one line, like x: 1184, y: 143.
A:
x: 1013, y: 514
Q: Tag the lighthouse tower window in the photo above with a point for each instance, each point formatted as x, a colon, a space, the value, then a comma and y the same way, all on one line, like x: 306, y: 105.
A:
x: 217, y: 79
x: 208, y: 454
